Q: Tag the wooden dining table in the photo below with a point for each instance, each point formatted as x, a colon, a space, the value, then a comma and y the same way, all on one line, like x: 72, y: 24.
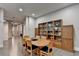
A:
x: 39, y: 43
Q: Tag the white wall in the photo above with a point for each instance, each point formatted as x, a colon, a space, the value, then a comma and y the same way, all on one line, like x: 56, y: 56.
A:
x: 70, y: 15
x: 6, y: 31
x: 1, y: 27
x: 29, y: 27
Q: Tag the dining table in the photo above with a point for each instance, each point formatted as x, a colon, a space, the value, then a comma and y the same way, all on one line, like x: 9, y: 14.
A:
x: 39, y: 43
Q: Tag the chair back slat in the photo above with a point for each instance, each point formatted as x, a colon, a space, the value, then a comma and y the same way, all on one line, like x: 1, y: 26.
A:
x: 29, y: 43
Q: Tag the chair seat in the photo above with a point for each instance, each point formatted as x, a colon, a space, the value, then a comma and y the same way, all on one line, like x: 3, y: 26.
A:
x: 45, y: 49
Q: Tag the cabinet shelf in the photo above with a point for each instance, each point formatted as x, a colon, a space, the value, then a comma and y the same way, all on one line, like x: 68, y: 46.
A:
x: 51, y: 29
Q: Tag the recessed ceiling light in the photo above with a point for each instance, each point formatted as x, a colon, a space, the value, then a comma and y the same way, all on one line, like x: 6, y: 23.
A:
x: 33, y: 14
x: 20, y: 9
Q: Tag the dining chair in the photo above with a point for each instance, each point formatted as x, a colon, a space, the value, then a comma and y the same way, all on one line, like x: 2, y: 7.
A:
x: 31, y: 49
x: 26, y: 36
x: 47, y: 50
x: 24, y: 44
x: 24, y: 40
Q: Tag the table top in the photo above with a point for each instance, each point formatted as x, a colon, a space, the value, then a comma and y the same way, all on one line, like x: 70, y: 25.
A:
x: 41, y: 42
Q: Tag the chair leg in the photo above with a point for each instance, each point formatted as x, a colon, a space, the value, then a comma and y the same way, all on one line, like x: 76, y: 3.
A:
x: 31, y: 53
x: 24, y: 51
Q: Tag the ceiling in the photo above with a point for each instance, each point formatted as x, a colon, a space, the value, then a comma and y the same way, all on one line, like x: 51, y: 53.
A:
x: 11, y: 10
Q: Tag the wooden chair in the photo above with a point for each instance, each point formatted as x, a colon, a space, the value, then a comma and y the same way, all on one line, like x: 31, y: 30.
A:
x: 24, y: 44
x: 31, y: 48
x: 47, y: 50
x: 26, y: 36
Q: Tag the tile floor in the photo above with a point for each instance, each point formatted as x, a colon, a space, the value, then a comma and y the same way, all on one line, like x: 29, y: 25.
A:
x: 13, y: 47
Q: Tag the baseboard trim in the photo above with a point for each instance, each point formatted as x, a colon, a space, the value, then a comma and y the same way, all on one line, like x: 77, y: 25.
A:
x: 76, y: 49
